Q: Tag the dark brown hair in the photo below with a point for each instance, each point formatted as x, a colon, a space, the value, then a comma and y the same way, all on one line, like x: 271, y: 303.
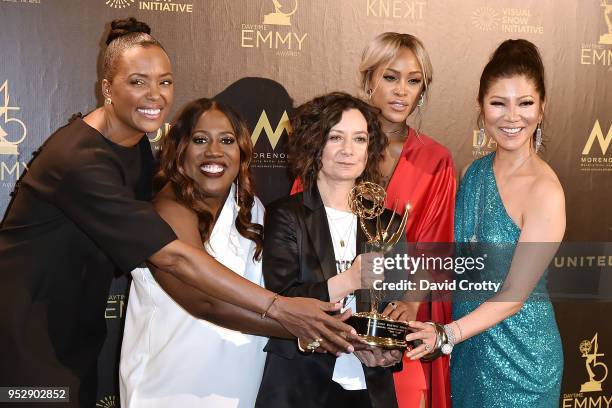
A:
x: 311, y: 125
x: 125, y: 34
x: 187, y: 192
x: 512, y: 58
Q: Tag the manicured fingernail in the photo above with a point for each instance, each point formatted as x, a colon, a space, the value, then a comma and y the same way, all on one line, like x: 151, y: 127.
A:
x: 338, y: 354
x: 353, y: 331
x: 351, y: 349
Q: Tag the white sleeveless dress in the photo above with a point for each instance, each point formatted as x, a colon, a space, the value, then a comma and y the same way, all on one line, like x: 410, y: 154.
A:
x: 171, y: 359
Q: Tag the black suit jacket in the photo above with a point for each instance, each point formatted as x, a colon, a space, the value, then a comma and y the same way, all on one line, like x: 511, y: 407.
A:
x: 298, y: 260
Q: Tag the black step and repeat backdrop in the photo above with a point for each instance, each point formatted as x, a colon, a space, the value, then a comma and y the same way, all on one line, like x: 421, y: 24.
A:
x: 264, y: 57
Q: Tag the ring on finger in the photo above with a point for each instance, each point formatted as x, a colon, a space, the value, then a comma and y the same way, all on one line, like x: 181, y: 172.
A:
x: 427, y: 347
x: 315, y: 344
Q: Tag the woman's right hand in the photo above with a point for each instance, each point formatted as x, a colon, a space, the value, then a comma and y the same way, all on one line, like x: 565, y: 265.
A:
x: 308, y: 320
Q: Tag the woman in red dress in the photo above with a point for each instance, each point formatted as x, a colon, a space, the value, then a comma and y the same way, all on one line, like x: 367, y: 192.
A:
x: 395, y: 76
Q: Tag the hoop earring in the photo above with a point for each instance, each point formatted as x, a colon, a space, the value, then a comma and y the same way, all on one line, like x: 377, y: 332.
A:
x: 108, y: 101
x: 369, y: 93
x: 538, y: 139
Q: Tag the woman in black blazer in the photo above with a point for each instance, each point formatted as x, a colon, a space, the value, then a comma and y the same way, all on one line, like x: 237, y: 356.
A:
x: 310, y: 240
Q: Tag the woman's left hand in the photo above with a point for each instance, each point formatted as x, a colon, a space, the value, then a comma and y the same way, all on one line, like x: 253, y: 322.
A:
x: 401, y: 311
x: 427, y: 334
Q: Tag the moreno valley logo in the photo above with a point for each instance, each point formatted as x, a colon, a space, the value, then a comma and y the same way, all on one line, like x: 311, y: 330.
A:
x: 600, y: 53
x: 119, y: 4
x: 596, y: 155
x: 270, y: 159
x: 275, y: 33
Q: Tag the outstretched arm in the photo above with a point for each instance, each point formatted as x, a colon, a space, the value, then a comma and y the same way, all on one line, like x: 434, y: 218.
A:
x: 198, y: 283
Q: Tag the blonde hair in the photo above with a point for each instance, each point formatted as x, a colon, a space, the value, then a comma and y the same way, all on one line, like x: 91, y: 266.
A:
x: 383, y: 49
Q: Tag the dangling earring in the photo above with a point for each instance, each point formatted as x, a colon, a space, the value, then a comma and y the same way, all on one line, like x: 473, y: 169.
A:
x: 481, y: 136
x: 538, y: 140
x: 421, y: 101
x: 369, y: 93
x: 237, y: 195
x: 108, y: 101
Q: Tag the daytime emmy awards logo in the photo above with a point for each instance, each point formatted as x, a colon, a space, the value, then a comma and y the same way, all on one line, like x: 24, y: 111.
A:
x: 262, y: 36
x: 12, y: 130
x: 600, y: 53
x: 278, y: 17
x: 119, y: 4
x: 607, y: 10
x: 596, y: 372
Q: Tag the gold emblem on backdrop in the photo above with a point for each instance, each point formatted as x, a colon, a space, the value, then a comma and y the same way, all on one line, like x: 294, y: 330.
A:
x: 485, y: 19
x: 281, y: 39
x: 115, y: 307
x: 12, y: 130
x: 278, y: 17
x: 597, y: 134
x: 607, y: 12
x: 119, y: 4
x: 597, y: 371
x: 263, y: 124
x: 594, y: 159
x: 487, y: 146
x: 110, y: 401
x: 599, y: 53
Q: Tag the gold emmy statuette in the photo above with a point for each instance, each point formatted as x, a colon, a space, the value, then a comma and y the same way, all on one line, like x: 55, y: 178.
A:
x: 278, y: 17
x: 607, y: 37
x: 367, y: 201
x: 8, y: 147
x: 591, y: 362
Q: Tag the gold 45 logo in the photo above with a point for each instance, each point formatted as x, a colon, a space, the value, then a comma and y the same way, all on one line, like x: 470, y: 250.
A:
x: 12, y: 130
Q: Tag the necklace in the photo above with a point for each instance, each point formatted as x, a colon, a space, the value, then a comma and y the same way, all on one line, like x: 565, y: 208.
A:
x: 332, y: 221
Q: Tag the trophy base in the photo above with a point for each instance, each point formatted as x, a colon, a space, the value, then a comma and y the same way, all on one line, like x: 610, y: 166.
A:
x: 277, y: 19
x: 590, y: 386
x: 605, y: 39
x: 379, y: 331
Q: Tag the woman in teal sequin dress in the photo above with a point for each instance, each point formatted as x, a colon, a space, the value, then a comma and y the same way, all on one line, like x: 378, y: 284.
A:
x: 507, y: 350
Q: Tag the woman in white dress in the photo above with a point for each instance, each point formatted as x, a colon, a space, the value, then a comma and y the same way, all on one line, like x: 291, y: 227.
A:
x: 171, y: 356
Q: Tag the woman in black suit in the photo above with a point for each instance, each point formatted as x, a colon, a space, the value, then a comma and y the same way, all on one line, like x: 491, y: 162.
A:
x: 310, y: 242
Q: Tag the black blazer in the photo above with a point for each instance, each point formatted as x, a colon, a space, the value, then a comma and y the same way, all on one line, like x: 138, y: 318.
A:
x: 298, y: 260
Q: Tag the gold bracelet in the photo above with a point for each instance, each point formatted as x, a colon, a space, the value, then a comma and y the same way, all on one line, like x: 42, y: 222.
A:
x: 263, y: 315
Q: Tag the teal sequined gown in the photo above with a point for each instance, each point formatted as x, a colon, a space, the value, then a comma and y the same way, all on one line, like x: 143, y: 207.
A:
x: 518, y: 362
